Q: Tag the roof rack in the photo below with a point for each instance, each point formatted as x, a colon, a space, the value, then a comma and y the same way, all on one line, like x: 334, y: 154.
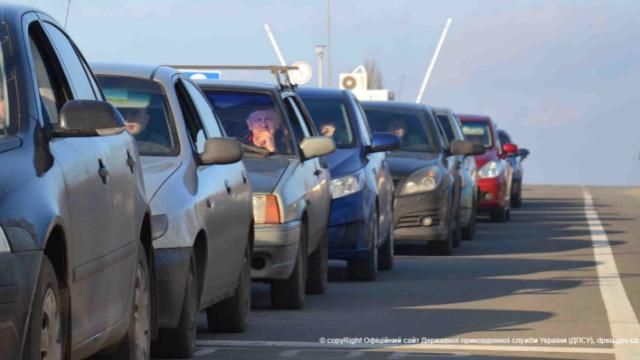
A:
x: 281, y: 73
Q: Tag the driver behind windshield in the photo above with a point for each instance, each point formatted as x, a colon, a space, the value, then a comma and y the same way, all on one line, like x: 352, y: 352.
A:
x: 265, y: 130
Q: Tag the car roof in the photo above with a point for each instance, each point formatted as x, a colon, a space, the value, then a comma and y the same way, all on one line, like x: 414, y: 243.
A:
x: 142, y: 71
x: 468, y: 117
x: 236, y: 85
x: 10, y: 11
x: 394, y: 105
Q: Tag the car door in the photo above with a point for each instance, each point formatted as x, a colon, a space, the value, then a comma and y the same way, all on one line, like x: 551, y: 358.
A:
x: 222, y: 189
x: 315, y: 174
x: 98, y: 276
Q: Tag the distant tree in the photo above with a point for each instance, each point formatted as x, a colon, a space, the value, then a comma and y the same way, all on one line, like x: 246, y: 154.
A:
x: 374, y: 74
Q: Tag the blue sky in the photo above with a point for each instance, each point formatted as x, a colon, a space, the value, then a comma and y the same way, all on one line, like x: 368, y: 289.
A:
x: 560, y: 76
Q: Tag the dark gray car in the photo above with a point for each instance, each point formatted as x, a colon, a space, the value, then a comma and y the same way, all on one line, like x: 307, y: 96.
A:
x: 290, y: 184
x: 200, y: 198
x: 427, y: 195
x: 75, y: 236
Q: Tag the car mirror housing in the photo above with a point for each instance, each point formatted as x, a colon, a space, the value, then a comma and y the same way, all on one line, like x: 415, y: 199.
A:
x: 316, y: 146
x: 82, y: 118
x: 221, y: 151
x: 510, y: 149
x: 523, y: 152
x: 460, y: 147
x: 383, y: 142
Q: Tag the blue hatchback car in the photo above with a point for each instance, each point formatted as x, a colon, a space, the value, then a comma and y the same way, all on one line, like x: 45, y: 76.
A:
x: 361, y: 220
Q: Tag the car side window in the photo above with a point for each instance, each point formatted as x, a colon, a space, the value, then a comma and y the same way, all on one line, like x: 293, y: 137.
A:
x: 204, y: 109
x: 196, y: 130
x: 75, y: 70
x: 297, y: 122
x: 52, y: 86
x: 306, y: 117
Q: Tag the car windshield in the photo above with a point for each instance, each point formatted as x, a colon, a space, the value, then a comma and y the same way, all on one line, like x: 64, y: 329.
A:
x: 252, y: 118
x: 332, y: 119
x: 478, y: 132
x: 143, y: 106
x: 408, y: 125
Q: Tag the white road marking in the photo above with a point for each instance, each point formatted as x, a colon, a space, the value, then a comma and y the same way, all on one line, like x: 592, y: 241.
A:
x: 355, y: 354
x: 622, y: 318
x: 457, y: 348
x: 290, y: 353
x: 397, y: 356
x: 203, y: 352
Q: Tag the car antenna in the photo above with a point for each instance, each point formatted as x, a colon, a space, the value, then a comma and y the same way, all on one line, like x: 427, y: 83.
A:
x: 66, y: 18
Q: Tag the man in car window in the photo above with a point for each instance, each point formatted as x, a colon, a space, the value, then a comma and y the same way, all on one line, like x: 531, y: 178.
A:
x: 136, y: 120
x: 264, y: 125
x: 328, y: 129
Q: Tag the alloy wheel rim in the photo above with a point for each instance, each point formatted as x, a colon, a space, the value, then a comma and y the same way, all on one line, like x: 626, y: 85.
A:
x: 141, y: 315
x: 50, y: 347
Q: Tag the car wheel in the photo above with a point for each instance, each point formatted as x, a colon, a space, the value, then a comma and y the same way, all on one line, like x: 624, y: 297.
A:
x: 319, y: 268
x: 386, y: 253
x: 232, y: 314
x: 290, y: 293
x: 469, y: 231
x: 46, y: 335
x: 137, y: 342
x: 366, y: 269
x: 498, y: 215
x: 180, y: 342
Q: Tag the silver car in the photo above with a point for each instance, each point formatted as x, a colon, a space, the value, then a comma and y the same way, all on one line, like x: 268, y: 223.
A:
x: 452, y: 130
x: 290, y: 182
x: 200, y: 198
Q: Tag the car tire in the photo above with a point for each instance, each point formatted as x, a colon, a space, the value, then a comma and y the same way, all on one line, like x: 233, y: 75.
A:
x: 457, y: 231
x: 180, y: 342
x: 232, y: 314
x: 319, y: 268
x: 136, y: 344
x: 290, y: 293
x: 47, y: 322
x: 366, y: 269
x: 470, y: 230
x: 498, y: 215
x: 386, y: 253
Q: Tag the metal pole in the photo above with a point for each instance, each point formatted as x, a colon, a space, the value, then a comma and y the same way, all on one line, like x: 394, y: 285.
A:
x: 67, y: 16
x: 433, y: 60
x: 320, y: 53
x: 274, y: 44
x: 329, y: 47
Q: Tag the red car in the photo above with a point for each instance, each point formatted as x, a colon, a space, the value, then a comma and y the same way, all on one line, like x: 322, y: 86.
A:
x: 494, y: 173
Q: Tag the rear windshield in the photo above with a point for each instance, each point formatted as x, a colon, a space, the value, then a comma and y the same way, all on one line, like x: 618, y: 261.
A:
x: 478, y: 132
x: 332, y: 119
x: 143, y: 106
x: 408, y: 125
x: 252, y: 118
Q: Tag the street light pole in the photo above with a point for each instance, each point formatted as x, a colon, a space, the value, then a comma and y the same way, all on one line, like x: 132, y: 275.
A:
x: 320, y: 53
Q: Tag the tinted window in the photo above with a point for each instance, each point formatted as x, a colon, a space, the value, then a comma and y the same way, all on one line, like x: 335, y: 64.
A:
x: 144, y: 108
x: 79, y: 79
x: 332, y: 119
x: 252, y: 118
x: 204, y: 110
x: 446, y: 127
x: 478, y: 132
x: 408, y: 125
x: 299, y: 127
x: 503, y: 137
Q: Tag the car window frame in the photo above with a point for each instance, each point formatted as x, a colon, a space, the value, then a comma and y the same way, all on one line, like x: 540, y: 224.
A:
x: 11, y: 91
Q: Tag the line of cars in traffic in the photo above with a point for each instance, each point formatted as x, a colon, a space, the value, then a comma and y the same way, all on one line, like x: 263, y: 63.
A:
x: 132, y: 197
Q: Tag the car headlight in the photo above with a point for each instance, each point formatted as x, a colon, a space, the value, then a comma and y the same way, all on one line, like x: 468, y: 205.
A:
x: 422, y: 181
x: 490, y: 170
x: 266, y: 209
x: 347, y: 185
x: 4, y: 243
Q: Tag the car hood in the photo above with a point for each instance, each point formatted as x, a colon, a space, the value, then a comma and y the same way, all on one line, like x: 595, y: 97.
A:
x: 404, y: 163
x: 265, y: 173
x: 157, y: 170
x: 344, y: 162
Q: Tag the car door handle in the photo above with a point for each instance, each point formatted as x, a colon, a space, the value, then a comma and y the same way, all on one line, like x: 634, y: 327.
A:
x: 226, y: 185
x: 209, y: 203
x: 130, y: 162
x: 317, y: 172
x: 103, y: 172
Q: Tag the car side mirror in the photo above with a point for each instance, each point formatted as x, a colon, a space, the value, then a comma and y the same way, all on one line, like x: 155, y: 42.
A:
x: 382, y: 141
x: 81, y: 118
x: 218, y: 151
x: 510, y: 149
x: 461, y: 147
x: 316, y: 146
x: 523, y: 153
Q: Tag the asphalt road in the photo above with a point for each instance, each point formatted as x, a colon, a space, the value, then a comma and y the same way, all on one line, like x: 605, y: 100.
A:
x: 540, y: 286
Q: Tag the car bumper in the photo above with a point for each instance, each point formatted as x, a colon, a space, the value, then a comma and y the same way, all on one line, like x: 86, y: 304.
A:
x: 172, y: 269
x: 411, y: 211
x: 491, y: 193
x: 347, y: 227
x: 275, y: 250
x: 18, y: 278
